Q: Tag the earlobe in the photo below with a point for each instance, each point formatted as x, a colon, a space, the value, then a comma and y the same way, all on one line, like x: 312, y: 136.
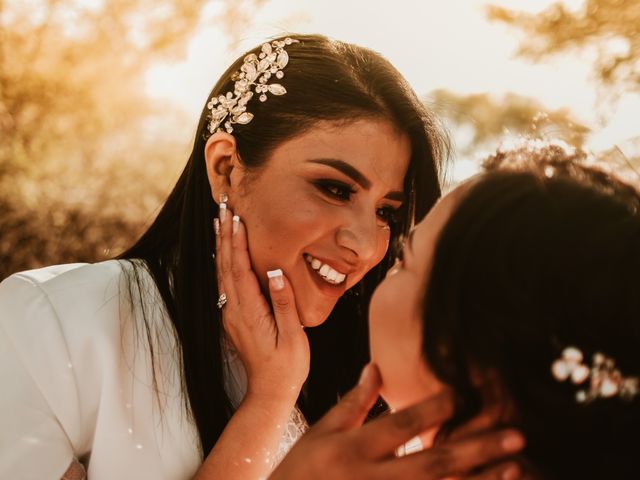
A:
x: 220, y: 158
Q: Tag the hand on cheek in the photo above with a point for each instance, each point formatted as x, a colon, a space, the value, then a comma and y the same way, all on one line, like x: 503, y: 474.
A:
x: 271, y: 343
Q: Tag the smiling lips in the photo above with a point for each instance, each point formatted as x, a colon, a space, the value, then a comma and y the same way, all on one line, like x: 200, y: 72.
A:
x: 327, y: 273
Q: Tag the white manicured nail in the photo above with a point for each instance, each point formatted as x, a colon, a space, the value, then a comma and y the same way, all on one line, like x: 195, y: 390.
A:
x: 223, y: 211
x: 235, y: 224
x: 275, y: 279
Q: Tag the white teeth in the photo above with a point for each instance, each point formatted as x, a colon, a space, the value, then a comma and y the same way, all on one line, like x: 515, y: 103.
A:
x: 325, y: 271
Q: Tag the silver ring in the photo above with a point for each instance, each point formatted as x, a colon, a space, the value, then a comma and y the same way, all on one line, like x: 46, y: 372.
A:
x: 222, y: 299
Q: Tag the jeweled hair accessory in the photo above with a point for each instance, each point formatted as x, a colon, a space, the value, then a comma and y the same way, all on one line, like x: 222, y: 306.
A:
x: 602, y: 378
x: 253, y: 75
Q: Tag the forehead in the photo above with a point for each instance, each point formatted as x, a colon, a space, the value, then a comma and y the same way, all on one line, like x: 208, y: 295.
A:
x: 373, y: 146
x: 426, y: 233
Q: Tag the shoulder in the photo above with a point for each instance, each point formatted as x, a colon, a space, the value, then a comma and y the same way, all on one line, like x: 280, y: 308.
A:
x: 59, y: 280
x: 45, y: 360
x: 68, y: 292
x: 71, y: 360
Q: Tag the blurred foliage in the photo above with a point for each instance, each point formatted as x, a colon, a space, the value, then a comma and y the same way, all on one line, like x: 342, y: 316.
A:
x: 611, y: 27
x: 481, y: 123
x: 490, y: 118
x: 608, y: 30
x: 85, y: 156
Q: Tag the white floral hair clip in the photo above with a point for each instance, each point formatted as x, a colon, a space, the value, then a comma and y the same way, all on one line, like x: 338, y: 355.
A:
x: 604, y: 379
x: 253, y: 75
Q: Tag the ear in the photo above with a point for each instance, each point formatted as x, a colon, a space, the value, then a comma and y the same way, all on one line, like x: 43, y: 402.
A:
x: 221, y: 158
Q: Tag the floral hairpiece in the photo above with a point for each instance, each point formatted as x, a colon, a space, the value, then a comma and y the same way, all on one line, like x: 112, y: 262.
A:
x: 604, y: 379
x: 253, y: 75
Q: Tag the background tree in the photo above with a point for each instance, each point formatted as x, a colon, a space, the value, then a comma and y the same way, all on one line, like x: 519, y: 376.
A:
x: 85, y: 155
x: 489, y: 119
x: 610, y: 31
x: 611, y: 28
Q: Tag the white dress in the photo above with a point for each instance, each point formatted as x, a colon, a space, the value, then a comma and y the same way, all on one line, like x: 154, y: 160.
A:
x: 77, y: 381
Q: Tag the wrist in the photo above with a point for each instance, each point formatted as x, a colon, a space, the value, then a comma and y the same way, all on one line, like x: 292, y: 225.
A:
x: 270, y: 399
x: 273, y: 388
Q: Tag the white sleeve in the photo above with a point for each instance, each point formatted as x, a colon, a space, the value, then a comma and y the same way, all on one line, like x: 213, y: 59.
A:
x: 37, y: 395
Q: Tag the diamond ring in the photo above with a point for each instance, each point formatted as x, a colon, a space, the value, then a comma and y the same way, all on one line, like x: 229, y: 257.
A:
x: 222, y: 299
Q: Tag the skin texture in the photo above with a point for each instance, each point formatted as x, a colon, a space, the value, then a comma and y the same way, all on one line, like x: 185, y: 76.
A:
x: 294, y: 205
x: 395, y: 313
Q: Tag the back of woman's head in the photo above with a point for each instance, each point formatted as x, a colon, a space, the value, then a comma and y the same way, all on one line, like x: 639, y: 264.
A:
x: 541, y: 253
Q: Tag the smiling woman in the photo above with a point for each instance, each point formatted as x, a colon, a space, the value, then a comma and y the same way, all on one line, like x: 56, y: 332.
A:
x: 321, y: 207
x: 326, y: 157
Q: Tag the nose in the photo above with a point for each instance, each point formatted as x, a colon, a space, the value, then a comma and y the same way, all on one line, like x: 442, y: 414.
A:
x: 358, y: 235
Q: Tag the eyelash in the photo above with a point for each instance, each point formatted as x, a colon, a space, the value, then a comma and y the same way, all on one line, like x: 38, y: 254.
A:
x: 342, y: 192
x: 336, y: 190
x: 391, y: 215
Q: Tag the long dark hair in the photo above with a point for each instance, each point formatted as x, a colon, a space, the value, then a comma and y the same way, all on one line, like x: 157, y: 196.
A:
x: 541, y: 253
x: 325, y: 80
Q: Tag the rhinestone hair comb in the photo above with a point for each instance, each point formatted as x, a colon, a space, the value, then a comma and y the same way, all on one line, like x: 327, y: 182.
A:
x: 254, y: 75
x: 602, y: 379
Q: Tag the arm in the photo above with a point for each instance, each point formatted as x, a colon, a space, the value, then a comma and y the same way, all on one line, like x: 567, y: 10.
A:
x: 338, y: 447
x: 247, y: 447
x: 275, y: 352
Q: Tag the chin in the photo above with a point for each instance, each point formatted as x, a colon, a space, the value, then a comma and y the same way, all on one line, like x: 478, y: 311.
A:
x: 313, y: 318
x: 397, y: 401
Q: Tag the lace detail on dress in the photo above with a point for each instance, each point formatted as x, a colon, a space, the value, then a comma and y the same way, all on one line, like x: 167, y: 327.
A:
x: 296, y: 427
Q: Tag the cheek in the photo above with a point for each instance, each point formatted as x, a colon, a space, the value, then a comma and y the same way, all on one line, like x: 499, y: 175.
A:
x: 383, y: 244
x: 396, y: 347
x: 279, y: 232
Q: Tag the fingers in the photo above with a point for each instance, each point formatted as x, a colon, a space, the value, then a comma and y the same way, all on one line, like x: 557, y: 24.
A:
x: 223, y: 255
x: 284, y: 304
x: 456, y: 458
x: 238, y: 281
x: 352, y: 409
x: 218, y: 240
x: 503, y: 471
x: 484, y: 421
x: 246, y: 286
x: 492, y: 414
x: 382, y: 436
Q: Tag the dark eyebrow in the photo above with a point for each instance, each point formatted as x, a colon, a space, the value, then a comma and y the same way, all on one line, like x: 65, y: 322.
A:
x: 353, y: 173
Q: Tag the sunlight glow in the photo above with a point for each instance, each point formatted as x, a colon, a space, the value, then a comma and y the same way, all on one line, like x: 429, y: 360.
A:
x: 434, y: 44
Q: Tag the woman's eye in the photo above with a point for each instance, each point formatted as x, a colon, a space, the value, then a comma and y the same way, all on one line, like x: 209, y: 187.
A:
x: 337, y: 190
x: 388, y: 215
